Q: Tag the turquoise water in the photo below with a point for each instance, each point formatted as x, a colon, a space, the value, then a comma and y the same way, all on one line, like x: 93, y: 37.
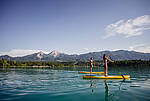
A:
x: 68, y: 85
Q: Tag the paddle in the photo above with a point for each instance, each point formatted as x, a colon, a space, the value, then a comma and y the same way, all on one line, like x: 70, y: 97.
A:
x: 122, y: 76
x: 113, y: 61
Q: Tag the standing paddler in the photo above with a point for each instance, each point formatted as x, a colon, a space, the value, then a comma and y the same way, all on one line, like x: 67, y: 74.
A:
x: 91, y: 64
x: 105, y: 58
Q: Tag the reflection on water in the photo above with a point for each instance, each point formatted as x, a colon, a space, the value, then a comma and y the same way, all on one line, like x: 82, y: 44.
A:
x: 66, y: 85
x: 92, y: 85
x: 106, y: 91
x: 108, y: 94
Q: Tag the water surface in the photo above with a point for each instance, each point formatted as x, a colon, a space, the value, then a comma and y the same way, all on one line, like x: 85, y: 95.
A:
x: 67, y: 85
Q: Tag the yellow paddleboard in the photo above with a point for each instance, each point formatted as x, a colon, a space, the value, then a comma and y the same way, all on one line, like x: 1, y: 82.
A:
x: 106, y: 77
x: 90, y: 72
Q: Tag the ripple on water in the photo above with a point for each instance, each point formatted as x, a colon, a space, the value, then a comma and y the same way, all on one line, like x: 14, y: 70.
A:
x: 135, y: 86
x: 67, y: 85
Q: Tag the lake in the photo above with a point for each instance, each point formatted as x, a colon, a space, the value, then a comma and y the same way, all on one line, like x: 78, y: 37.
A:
x: 67, y: 85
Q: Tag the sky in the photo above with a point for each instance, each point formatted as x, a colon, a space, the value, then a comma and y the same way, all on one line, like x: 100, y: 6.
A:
x: 73, y: 26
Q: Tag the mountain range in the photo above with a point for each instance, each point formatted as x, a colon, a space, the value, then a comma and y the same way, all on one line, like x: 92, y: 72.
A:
x: 57, y: 56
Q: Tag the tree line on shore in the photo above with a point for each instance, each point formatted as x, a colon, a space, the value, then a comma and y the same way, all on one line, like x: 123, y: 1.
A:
x: 12, y: 63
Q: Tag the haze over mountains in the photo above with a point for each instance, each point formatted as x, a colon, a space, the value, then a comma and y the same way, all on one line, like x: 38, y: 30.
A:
x: 57, y: 56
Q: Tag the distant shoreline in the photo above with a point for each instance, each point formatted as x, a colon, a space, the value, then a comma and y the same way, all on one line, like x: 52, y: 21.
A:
x: 45, y: 64
x: 40, y: 66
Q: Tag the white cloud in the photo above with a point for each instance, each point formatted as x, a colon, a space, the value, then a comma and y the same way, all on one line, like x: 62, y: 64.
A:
x: 86, y: 49
x: 82, y: 51
x: 19, y: 52
x: 129, y: 28
x: 140, y: 48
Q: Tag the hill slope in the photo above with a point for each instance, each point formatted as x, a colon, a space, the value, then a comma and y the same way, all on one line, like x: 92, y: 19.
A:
x: 56, y: 56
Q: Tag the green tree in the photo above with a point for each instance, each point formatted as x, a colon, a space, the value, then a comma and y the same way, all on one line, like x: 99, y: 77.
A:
x: 4, y: 62
x: 1, y: 63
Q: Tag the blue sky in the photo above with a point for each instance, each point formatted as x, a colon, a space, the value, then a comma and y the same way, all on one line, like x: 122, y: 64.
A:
x: 73, y: 26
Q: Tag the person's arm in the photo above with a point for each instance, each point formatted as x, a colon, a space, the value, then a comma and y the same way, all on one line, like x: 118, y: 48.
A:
x: 109, y: 59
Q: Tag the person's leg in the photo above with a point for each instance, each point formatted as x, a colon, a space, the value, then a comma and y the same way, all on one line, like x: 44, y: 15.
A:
x: 91, y: 69
x: 105, y: 68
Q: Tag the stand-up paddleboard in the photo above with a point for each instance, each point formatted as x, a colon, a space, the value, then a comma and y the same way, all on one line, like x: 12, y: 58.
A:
x: 106, y: 77
x: 90, y: 72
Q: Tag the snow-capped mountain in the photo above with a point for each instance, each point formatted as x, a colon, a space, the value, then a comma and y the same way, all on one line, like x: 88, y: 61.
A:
x: 57, y: 56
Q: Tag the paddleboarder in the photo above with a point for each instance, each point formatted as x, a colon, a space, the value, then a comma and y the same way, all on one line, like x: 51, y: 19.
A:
x: 91, y: 64
x: 105, y: 59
